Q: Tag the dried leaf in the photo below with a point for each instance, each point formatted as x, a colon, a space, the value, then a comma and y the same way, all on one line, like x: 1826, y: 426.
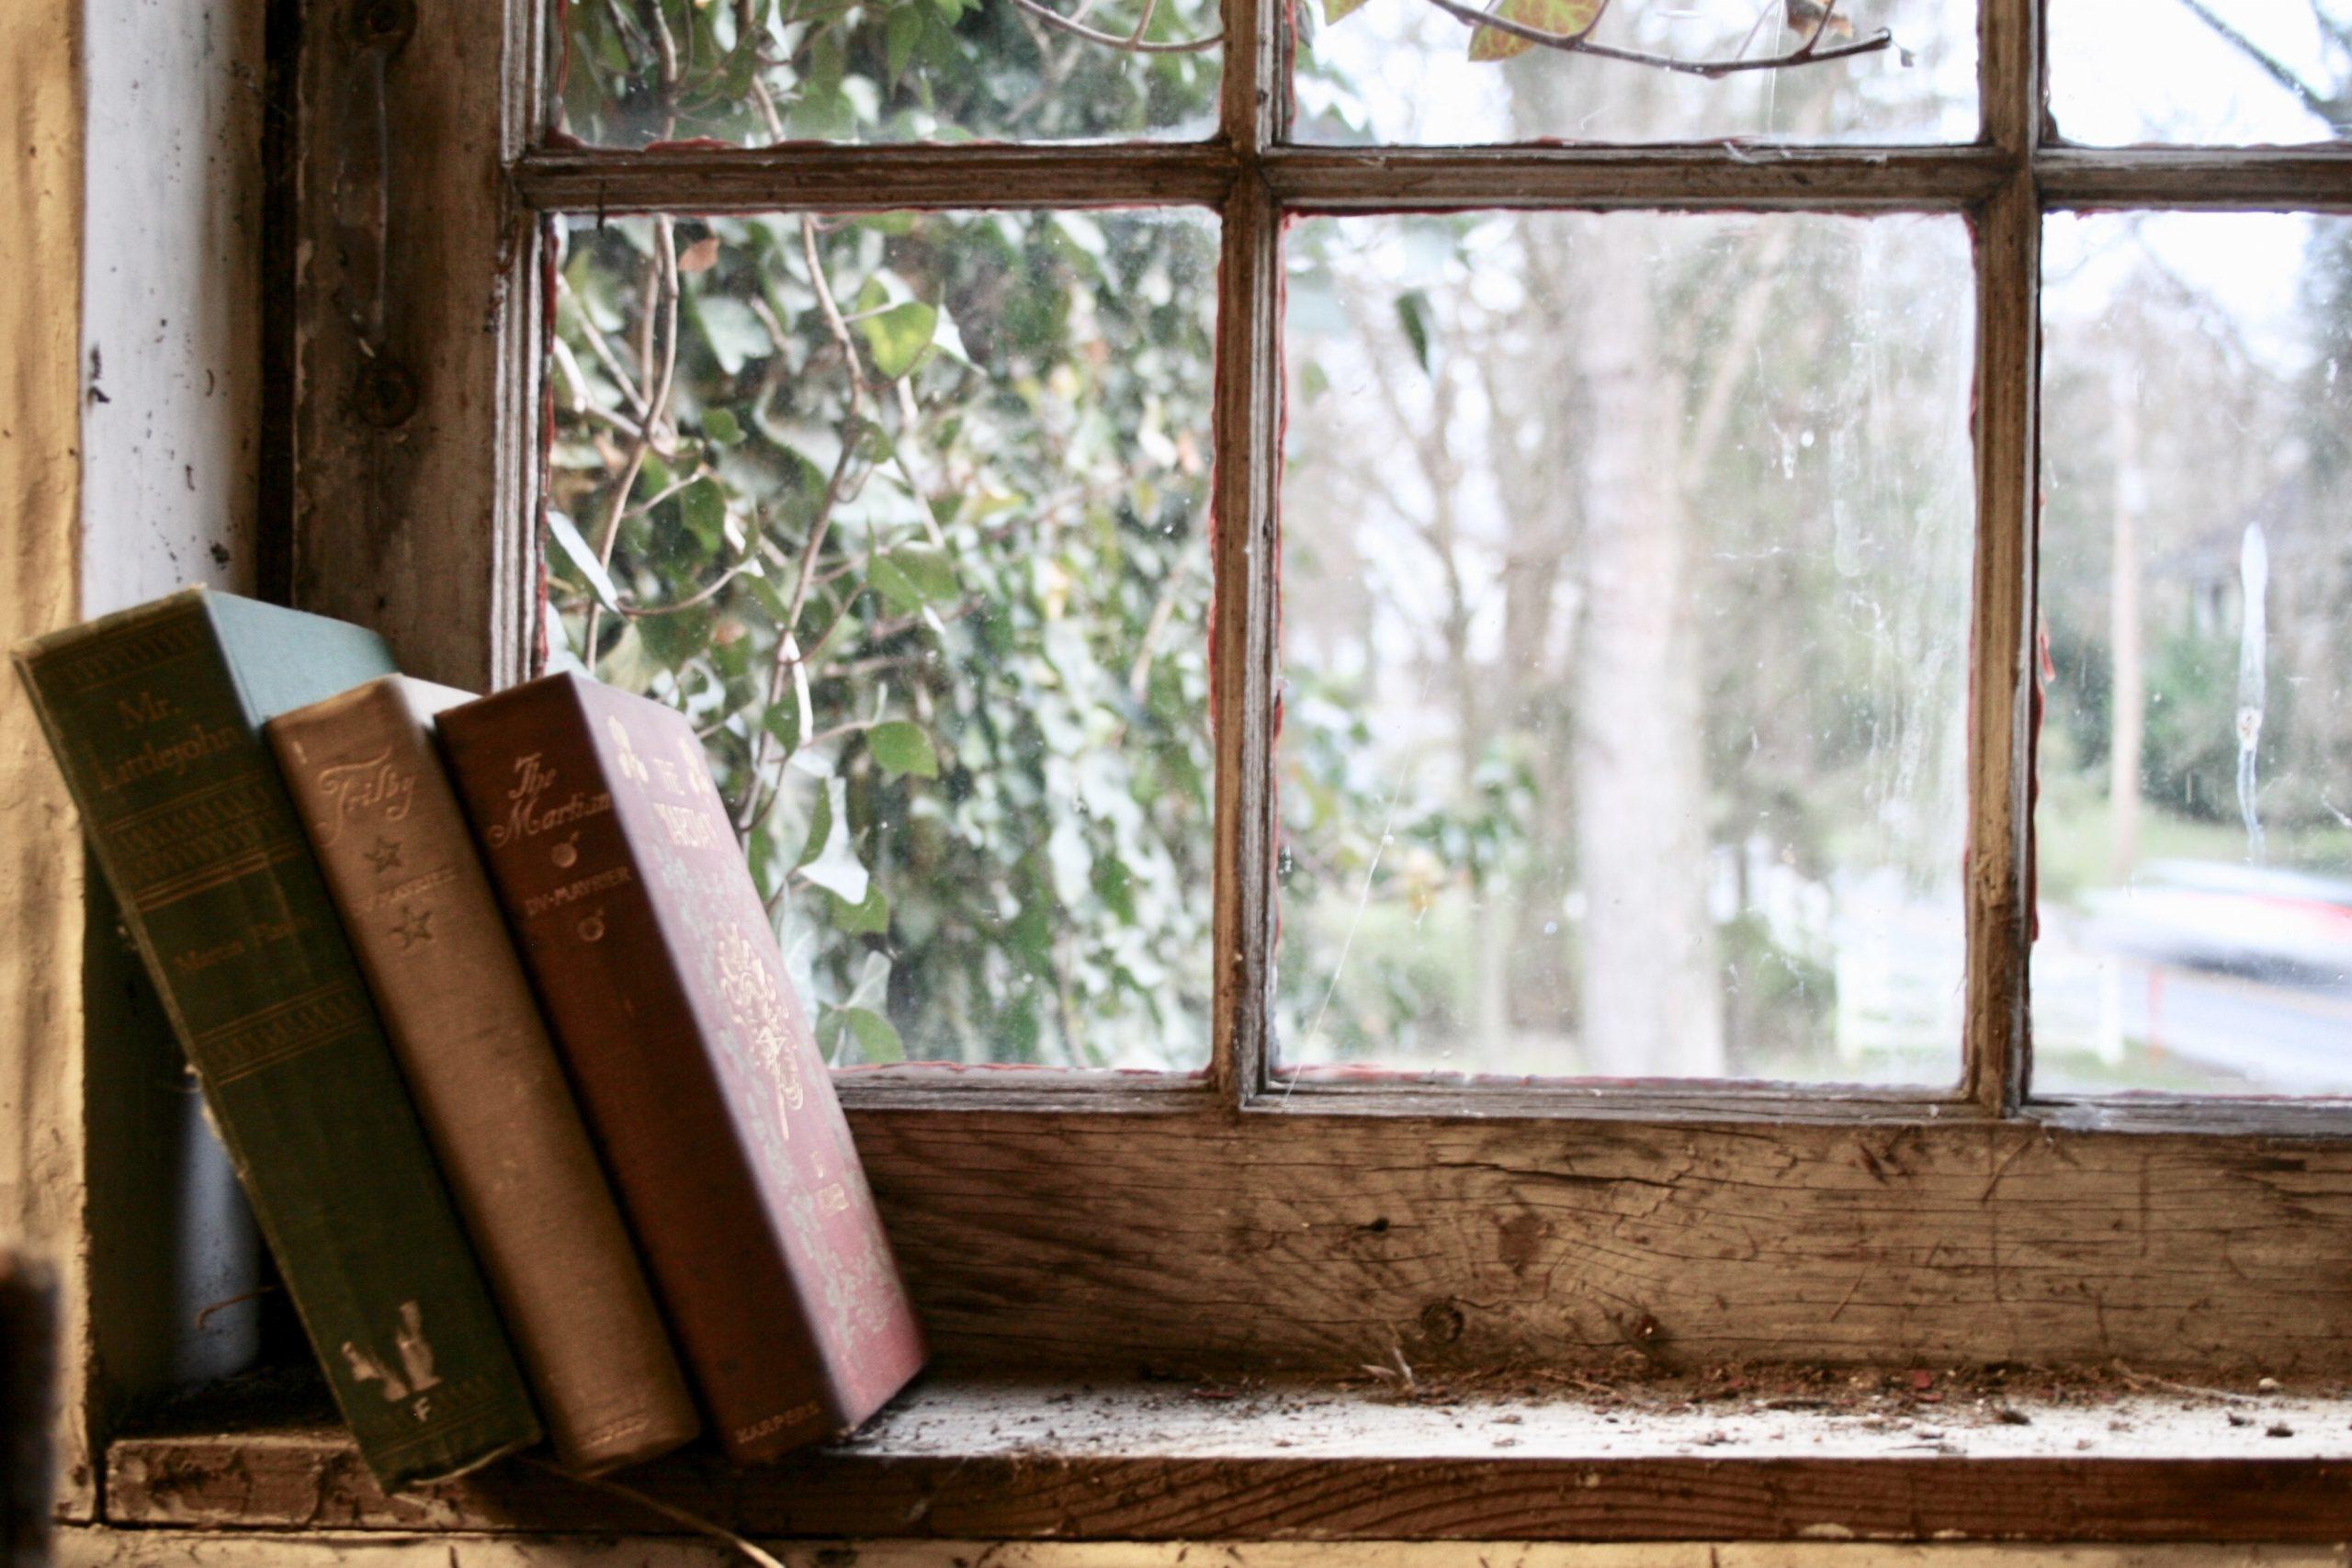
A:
x: 700, y: 256
x: 1805, y: 18
x: 1563, y: 16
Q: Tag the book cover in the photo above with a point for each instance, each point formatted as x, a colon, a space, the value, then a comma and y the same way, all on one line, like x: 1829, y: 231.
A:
x: 616, y: 864
x: 155, y: 717
x: 401, y: 868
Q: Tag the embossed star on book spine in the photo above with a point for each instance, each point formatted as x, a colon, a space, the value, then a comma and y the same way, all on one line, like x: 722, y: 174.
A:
x: 415, y: 926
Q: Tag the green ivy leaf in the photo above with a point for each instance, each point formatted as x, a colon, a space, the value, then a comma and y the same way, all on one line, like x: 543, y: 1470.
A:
x: 1334, y: 9
x: 820, y: 827
x: 1552, y: 16
x: 722, y: 426
x: 899, y: 35
x: 903, y: 748
x: 673, y: 641
x: 1413, y: 315
x: 877, y: 1038
x: 583, y: 560
x: 732, y: 329
x: 910, y: 578
x: 782, y: 721
x: 900, y: 336
x: 701, y: 507
x: 870, y: 916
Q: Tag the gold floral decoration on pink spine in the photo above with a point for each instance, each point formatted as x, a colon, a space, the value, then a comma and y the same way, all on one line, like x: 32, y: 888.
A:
x: 754, y: 1000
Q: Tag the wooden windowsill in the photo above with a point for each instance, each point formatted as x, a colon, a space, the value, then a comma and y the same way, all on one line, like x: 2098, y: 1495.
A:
x: 960, y: 1459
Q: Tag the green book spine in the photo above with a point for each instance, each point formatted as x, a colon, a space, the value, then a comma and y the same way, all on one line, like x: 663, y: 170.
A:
x: 155, y: 716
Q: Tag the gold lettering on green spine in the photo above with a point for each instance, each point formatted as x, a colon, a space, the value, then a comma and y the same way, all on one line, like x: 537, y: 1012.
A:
x: 156, y: 720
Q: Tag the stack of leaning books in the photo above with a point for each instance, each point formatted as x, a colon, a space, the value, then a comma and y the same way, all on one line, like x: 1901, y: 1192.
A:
x: 490, y: 1015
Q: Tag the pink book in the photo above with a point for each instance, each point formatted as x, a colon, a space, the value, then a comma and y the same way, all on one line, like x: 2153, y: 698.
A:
x: 651, y: 951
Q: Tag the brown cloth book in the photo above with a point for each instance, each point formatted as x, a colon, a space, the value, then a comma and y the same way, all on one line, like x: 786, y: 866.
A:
x: 401, y: 869
x: 653, y: 955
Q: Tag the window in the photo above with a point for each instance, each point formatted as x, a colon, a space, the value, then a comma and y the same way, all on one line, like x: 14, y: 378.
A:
x: 1446, y: 658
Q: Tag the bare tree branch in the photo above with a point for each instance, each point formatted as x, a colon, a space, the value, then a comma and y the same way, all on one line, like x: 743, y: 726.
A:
x: 1805, y: 53
x: 1132, y: 45
x: 790, y: 662
x: 2327, y: 108
x: 662, y: 299
x: 2339, y: 32
x: 701, y: 596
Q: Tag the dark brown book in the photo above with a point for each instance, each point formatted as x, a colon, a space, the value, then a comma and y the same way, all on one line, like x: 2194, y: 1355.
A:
x: 401, y: 866
x: 653, y: 957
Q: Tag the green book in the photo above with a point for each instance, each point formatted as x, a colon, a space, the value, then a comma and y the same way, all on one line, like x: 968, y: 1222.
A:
x: 155, y: 716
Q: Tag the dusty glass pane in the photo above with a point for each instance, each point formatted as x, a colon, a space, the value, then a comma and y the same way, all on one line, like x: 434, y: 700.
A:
x: 2196, y: 756
x: 757, y: 72
x: 940, y: 617
x: 1410, y: 71
x: 2200, y: 70
x: 1624, y: 631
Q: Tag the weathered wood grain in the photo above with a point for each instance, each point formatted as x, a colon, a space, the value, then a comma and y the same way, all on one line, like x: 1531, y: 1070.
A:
x: 1709, y: 175
x: 1277, y: 1241
x: 849, y: 178
x: 841, y: 178
x: 89, y: 1548
x: 2251, y: 180
x: 1342, y: 179
x: 1245, y: 612
x: 1998, y: 889
x: 416, y: 405
x: 1245, y: 603
x: 1010, y: 1461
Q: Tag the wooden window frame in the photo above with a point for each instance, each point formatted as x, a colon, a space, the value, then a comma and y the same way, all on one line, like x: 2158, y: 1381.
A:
x: 1230, y: 1222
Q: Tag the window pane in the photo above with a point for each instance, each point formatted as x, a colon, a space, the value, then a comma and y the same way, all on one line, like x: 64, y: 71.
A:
x: 943, y: 629
x: 1625, y: 630
x: 757, y: 72
x: 2244, y: 71
x: 1409, y: 71
x: 2196, y: 756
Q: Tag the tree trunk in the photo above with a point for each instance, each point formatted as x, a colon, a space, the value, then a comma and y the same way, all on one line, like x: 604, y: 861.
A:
x: 1651, y: 997
x: 1650, y: 994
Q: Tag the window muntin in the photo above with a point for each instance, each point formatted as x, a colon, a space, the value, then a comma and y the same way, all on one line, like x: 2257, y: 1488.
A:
x: 975, y: 782
x: 759, y: 72
x: 1408, y: 72
x: 2196, y: 857
x: 2246, y: 73
x: 1624, y: 626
